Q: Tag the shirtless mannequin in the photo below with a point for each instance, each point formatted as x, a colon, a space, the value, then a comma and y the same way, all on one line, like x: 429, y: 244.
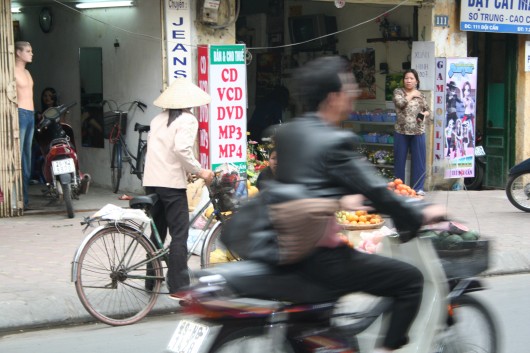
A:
x: 24, y: 55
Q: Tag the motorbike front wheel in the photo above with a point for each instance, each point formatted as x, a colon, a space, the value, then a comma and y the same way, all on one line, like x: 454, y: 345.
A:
x: 472, y: 328
x: 518, y: 190
x: 67, y: 196
x: 249, y: 340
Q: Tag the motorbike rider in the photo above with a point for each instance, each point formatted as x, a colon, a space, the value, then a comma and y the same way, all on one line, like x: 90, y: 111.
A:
x: 314, y: 151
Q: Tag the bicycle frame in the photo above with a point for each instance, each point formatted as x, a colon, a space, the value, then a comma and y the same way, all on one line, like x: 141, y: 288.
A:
x: 124, y: 150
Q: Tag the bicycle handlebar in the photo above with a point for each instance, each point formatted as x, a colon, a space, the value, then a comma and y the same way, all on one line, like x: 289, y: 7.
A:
x: 141, y: 105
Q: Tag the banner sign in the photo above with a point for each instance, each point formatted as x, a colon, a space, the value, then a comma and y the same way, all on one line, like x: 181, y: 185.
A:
x: 498, y: 16
x: 455, y: 101
x: 423, y: 63
x: 204, y: 110
x: 178, y: 38
x: 439, y: 114
x: 224, y: 138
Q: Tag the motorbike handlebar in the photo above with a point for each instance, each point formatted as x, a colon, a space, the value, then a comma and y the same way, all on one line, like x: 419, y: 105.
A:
x: 55, y: 112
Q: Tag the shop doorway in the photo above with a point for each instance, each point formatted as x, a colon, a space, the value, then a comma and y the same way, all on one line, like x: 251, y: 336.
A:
x: 498, y: 71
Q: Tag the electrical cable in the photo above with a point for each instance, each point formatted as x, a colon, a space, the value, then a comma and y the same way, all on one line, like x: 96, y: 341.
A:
x: 238, y: 7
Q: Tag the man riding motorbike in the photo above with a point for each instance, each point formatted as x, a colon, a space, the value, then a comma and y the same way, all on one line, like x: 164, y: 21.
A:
x: 315, y: 152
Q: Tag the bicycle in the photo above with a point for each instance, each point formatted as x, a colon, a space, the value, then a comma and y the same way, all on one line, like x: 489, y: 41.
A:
x: 114, y: 128
x: 113, y: 265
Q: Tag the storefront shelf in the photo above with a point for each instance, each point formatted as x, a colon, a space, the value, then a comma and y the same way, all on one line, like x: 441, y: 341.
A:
x: 368, y: 122
x: 377, y: 144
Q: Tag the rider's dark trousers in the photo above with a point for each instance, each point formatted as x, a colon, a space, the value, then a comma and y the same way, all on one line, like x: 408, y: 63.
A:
x: 171, y: 212
x: 345, y: 270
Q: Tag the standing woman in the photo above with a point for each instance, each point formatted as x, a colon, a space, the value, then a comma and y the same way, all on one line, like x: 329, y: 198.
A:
x: 170, y: 159
x: 412, y: 111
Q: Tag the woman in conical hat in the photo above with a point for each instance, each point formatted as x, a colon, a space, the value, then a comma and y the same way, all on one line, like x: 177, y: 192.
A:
x: 170, y: 159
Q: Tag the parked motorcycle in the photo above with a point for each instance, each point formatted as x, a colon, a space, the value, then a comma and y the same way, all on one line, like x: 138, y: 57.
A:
x: 475, y: 182
x: 518, y: 185
x: 253, y: 307
x: 61, y: 167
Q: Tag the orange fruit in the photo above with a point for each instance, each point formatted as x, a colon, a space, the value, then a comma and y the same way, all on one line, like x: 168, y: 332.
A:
x: 391, y: 184
x: 412, y: 192
x: 360, y: 212
x: 404, y: 192
x: 398, y: 181
x: 397, y: 191
x: 373, y: 221
x: 362, y: 219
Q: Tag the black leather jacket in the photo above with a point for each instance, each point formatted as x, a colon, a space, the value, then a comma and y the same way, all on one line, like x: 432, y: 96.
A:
x: 325, y: 160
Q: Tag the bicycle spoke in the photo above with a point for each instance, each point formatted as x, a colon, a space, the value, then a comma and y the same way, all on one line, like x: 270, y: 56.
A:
x: 112, y: 276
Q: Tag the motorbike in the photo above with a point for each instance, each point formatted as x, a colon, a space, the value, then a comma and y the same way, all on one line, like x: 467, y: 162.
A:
x: 475, y: 182
x: 249, y: 306
x: 518, y: 185
x: 61, y: 172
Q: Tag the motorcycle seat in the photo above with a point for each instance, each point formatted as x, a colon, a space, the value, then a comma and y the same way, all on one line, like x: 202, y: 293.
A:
x: 259, y: 280
x: 143, y: 202
x: 59, y: 141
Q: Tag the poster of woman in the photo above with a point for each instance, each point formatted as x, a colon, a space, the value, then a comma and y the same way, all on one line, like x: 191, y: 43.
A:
x: 460, y: 110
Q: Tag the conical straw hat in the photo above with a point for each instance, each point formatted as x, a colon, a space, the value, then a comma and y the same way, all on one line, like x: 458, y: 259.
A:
x: 182, y: 93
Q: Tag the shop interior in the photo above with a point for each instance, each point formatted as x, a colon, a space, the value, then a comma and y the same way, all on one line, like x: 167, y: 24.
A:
x: 376, y: 39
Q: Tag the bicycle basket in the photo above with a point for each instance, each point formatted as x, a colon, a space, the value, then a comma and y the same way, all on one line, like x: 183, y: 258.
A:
x: 110, y: 119
x: 228, y: 190
x: 471, y: 259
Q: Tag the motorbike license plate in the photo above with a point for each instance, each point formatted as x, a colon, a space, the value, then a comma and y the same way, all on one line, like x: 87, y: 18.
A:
x: 63, y: 166
x: 479, y: 151
x: 191, y: 337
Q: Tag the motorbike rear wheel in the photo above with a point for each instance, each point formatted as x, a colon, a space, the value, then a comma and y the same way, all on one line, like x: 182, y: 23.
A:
x: 67, y: 196
x: 473, y: 329
x: 247, y: 340
x: 518, y: 190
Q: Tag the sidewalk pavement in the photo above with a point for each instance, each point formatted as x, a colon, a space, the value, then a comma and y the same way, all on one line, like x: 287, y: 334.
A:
x: 36, y: 251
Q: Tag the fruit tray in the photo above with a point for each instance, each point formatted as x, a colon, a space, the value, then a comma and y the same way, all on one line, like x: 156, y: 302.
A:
x: 363, y: 226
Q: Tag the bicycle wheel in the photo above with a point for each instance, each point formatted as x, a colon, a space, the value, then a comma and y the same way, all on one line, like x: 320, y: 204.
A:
x: 140, y: 163
x: 249, y: 340
x: 518, y: 190
x: 214, y: 251
x: 115, y: 166
x: 473, y: 330
x: 111, y: 276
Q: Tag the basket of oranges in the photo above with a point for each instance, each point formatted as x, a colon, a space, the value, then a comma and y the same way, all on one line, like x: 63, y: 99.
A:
x: 400, y: 188
x: 359, y: 220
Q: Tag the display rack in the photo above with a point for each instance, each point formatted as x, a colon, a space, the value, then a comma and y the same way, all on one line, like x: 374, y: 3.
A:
x: 357, y: 125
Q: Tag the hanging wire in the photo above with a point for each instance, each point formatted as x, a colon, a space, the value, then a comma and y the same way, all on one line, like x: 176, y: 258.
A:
x: 248, y: 55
